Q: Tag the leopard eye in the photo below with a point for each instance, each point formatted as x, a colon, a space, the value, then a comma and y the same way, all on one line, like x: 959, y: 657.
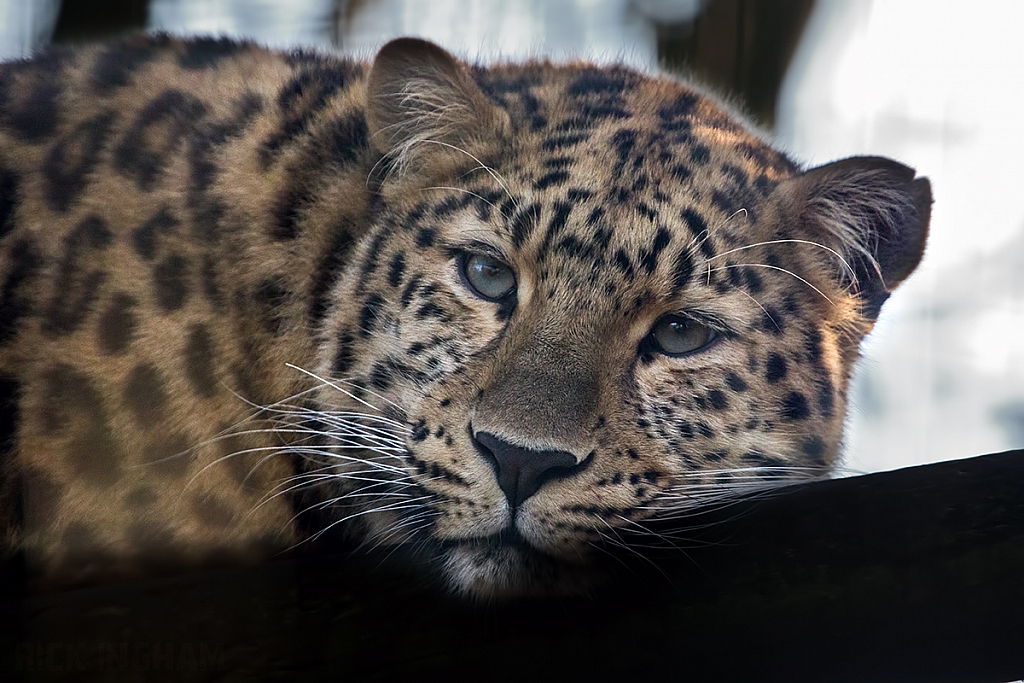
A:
x: 674, y: 335
x: 487, y: 277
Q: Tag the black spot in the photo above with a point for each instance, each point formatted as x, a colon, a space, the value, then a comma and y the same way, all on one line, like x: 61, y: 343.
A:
x: 117, y: 324
x: 759, y: 459
x: 794, y: 407
x: 772, y: 321
x: 736, y: 383
x: 700, y: 155
x: 649, y: 258
x: 327, y: 271
x: 115, y: 65
x: 814, y: 447
x: 380, y: 376
x: 599, y: 82
x: 33, y: 117
x: 775, y: 368
x: 144, y: 237
x: 203, y: 169
x: 15, y: 295
x: 205, y: 53
x: 552, y: 178
x: 674, y: 115
x: 206, y: 220
x: 562, y: 141
x: 420, y: 431
x: 725, y: 203
x: 397, y: 269
x: 682, y: 270
x: 624, y: 141
x: 347, y: 138
x: 753, y: 280
x: 64, y: 314
x: 155, y: 135
x: 200, y: 360
x: 450, y: 205
x: 369, y: 314
x: 737, y: 175
x: 706, y: 431
x: 431, y: 310
x: 285, y: 223
x: 145, y: 394
x: 523, y: 224
x: 344, y: 355
x: 299, y: 101
x: 577, y: 195
x: 69, y: 164
x: 558, y: 220
x: 559, y: 162
x: 694, y: 221
x: 410, y: 290
x: 170, y: 282
x: 623, y: 263
x: 718, y: 399
x: 425, y: 238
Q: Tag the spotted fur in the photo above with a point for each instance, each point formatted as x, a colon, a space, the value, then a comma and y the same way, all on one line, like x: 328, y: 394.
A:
x: 232, y: 314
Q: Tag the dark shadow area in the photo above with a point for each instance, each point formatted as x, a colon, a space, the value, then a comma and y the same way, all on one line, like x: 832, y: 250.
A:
x: 741, y: 47
x: 91, y: 20
x: 906, y: 576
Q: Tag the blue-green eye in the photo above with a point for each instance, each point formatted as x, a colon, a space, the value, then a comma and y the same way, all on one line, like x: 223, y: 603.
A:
x: 674, y: 335
x: 487, y: 277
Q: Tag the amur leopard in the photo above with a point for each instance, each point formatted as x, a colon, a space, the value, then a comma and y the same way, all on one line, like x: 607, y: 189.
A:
x: 496, y: 316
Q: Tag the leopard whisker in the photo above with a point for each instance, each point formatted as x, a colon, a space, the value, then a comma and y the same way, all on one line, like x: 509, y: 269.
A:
x: 334, y: 385
x: 464, y: 191
x: 765, y: 265
x: 832, y: 251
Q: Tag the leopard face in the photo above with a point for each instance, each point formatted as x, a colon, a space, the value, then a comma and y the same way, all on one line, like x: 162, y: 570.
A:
x: 496, y: 316
x: 610, y: 305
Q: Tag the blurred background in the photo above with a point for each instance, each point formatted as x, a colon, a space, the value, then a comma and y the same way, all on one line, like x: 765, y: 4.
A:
x: 936, y: 84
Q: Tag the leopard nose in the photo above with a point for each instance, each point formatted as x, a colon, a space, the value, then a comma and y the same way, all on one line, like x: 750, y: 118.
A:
x: 522, y: 471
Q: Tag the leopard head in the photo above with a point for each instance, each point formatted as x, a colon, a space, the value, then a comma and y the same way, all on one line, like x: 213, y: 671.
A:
x: 589, y: 298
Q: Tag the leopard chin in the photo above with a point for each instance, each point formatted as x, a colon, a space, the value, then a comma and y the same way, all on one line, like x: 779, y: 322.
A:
x: 505, y: 566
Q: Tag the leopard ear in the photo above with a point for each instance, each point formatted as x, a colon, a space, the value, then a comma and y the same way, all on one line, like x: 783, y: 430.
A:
x: 872, y: 211
x: 424, y: 108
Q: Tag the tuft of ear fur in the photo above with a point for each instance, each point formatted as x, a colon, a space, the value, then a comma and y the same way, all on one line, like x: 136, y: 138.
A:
x: 424, y: 112
x: 872, y: 211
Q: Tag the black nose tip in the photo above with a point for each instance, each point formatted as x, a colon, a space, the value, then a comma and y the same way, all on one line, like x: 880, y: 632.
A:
x: 522, y: 471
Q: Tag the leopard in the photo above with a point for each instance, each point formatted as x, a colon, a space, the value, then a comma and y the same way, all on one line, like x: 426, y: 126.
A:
x: 495, y: 316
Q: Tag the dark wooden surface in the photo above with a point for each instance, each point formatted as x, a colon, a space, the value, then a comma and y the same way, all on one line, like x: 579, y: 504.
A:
x: 912, y: 575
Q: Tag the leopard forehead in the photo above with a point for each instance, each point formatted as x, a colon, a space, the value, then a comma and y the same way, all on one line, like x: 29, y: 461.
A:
x: 611, y: 184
